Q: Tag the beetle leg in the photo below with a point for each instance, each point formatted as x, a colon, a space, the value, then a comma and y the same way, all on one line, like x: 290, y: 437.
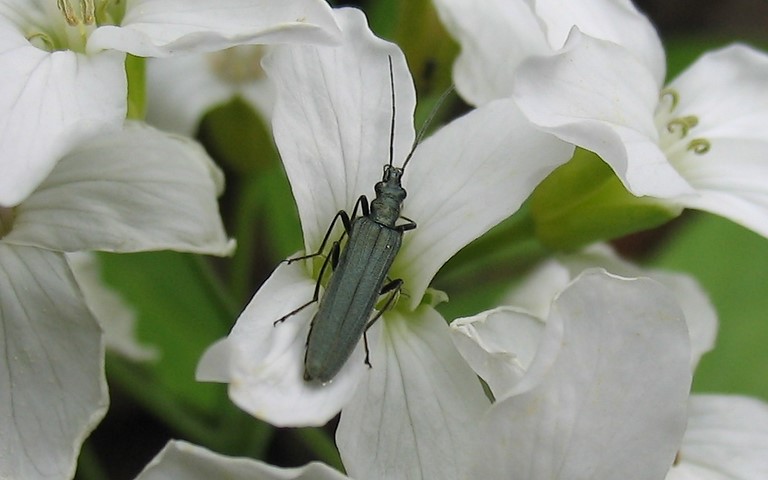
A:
x: 362, y: 203
x: 333, y: 260
x: 394, y: 286
x: 406, y: 226
x: 341, y: 214
x: 367, y: 352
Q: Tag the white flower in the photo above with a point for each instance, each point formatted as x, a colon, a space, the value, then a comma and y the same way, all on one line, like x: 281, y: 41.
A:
x: 726, y: 436
x: 593, y: 74
x: 497, y: 36
x: 543, y: 283
x: 133, y: 190
x: 413, y: 413
x: 726, y: 439
x: 52, y: 386
x: 700, y: 142
x: 185, y: 461
x: 598, y: 389
x: 63, y: 78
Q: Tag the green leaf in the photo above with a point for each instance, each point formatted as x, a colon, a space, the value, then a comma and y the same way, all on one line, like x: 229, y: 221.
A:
x: 179, y: 311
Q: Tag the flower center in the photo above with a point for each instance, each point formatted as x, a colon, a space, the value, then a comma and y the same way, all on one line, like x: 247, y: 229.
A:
x: 82, y: 13
x: 238, y: 65
x: 6, y: 220
x: 675, y: 131
x: 66, y: 24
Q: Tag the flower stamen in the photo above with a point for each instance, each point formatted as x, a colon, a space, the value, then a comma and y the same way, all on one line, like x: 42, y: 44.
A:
x: 89, y: 11
x: 68, y: 11
x: 674, y: 130
x: 682, y: 125
x: 42, y: 41
x: 672, y: 95
x: 85, y: 15
x: 699, y: 146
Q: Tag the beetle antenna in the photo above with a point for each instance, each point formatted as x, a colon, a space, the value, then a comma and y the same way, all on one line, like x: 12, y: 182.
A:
x: 427, y: 122
x: 392, y: 125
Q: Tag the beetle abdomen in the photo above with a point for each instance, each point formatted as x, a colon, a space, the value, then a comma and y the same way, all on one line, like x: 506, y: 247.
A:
x: 352, y: 292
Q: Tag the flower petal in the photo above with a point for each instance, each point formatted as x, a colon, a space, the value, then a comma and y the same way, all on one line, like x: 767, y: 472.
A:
x: 499, y: 345
x: 727, y: 439
x: 613, y: 403
x: 730, y: 181
x: 415, y: 414
x: 159, y: 28
x: 596, y: 95
x: 536, y: 291
x: 264, y: 362
x: 52, y: 386
x: 514, y: 31
x: 50, y: 102
x: 488, y: 32
x: 617, y: 21
x: 332, y: 119
x: 725, y: 90
x: 182, y: 460
x: 140, y: 189
x: 539, y: 288
x: 700, y: 314
x: 463, y: 180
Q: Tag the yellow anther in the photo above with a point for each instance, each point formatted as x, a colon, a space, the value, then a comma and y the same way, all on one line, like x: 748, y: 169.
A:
x: 682, y: 124
x: 69, y: 12
x: 699, y: 146
x: 84, y: 15
x: 88, y: 8
x: 673, y: 96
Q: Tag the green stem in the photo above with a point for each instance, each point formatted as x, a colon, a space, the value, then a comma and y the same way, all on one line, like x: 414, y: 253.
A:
x: 135, y: 69
x: 583, y: 202
x: 249, y: 199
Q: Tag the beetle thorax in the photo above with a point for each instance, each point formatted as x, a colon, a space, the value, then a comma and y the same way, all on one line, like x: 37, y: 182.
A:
x: 385, y: 208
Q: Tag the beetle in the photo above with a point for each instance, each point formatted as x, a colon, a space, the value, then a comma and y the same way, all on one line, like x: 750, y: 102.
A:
x: 360, y: 268
x: 358, y: 280
x: 359, y: 271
